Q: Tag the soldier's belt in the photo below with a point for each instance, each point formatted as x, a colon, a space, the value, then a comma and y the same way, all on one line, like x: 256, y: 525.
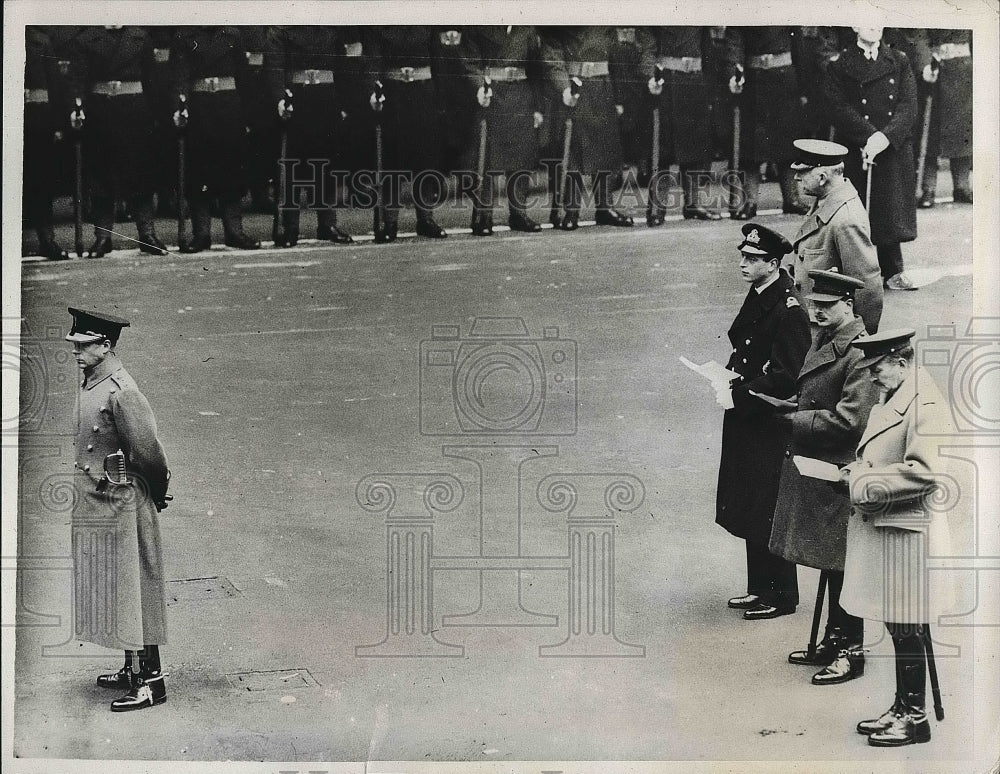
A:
x: 409, y: 74
x: 214, y: 83
x: 680, y: 64
x: 312, y: 77
x: 506, y: 74
x: 952, y: 51
x: 36, y: 96
x: 770, y: 61
x: 116, y: 88
x: 587, y: 69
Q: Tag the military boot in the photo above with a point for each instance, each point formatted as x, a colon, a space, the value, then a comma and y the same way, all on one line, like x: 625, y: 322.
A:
x: 909, y: 725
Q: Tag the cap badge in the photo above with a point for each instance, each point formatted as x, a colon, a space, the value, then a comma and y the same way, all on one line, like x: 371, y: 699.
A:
x: 753, y: 237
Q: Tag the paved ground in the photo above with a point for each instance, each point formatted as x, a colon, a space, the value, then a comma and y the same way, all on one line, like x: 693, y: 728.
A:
x: 281, y: 379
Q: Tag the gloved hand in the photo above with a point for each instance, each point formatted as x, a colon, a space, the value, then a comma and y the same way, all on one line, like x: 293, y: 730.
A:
x: 377, y: 98
x: 655, y: 86
x: 737, y: 80
x: 877, y: 143
x: 484, y: 94
x: 77, y: 117
x: 930, y: 73
x: 181, y: 114
x: 571, y: 94
x: 285, y: 107
x: 537, y: 119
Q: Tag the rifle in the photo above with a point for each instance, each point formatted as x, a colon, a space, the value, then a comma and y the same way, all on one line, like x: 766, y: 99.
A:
x: 279, y: 222
x: 181, y: 123
x: 77, y: 119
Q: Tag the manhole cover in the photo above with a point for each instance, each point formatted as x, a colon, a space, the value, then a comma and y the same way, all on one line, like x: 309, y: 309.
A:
x: 272, y: 680
x: 200, y: 589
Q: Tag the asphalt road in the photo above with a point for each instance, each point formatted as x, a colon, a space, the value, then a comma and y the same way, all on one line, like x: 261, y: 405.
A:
x: 281, y: 379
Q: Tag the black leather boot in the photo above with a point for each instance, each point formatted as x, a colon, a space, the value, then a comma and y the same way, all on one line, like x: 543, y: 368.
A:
x: 428, y: 227
x: 848, y: 665
x: 122, y: 679
x: 149, y: 243
x: 48, y: 247
x: 232, y: 225
x: 201, y: 225
x: 101, y: 247
x: 519, y: 221
x: 146, y: 691
x: 909, y: 724
x: 326, y: 228
x: 482, y: 222
x: 825, y: 653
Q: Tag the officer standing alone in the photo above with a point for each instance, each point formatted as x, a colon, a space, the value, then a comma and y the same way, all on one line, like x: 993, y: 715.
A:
x: 117, y: 506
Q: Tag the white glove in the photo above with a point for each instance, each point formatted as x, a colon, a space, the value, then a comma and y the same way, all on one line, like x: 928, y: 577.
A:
x: 877, y: 143
x: 736, y: 86
x: 620, y: 110
x: 538, y: 119
x: 930, y: 74
x: 377, y: 98
x: 568, y: 96
x: 724, y: 397
x: 655, y: 86
x: 285, y: 110
x: 483, y: 96
x: 77, y: 117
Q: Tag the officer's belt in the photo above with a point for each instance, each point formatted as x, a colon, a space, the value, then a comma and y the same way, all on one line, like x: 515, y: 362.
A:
x: 680, y: 64
x: 506, y: 74
x: 770, y: 61
x: 312, y: 77
x: 36, y: 96
x: 116, y: 88
x: 587, y: 69
x: 952, y: 51
x: 214, y: 83
x: 409, y: 74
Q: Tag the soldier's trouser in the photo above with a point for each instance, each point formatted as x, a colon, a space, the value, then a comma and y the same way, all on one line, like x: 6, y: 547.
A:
x: 890, y: 259
x: 960, y: 169
x: 771, y: 577
x: 575, y: 188
x: 840, y: 623
x: 103, y: 210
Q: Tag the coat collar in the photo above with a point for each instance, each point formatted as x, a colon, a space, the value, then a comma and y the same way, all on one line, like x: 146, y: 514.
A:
x: 823, y: 210
x: 833, y: 349
x: 94, y: 376
x: 889, y: 414
x: 854, y: 62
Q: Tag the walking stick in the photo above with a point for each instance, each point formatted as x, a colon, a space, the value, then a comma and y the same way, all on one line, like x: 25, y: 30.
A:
x: 932, y: 672
x: 925, y: 134
x: 868, y: 187
x: 76, y: 122
x: 181, y: 121
x: 279, y: 222
x: 817, y: 613
x: 477, y: 202
x: 378, y: 227
x: 574, y: 89
x: 654, y: 158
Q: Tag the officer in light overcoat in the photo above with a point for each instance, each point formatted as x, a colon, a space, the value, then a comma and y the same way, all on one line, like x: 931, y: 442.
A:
x: 120, y: 600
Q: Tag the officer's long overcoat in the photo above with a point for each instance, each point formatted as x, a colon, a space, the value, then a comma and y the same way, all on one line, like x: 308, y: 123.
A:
x: 596, y: 140
x: 216, y: 136
x: 810, y: 518
x: 770, y: 338
x: 113, y: 415
x: 864, y: 97
x: 896, y: 522
x: 686, y: 103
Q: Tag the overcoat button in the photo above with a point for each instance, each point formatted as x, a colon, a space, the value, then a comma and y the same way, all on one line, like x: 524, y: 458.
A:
x: 90, y: 447
x: 97, y: 428
x: 866, y: 118
x: 748, y: 341
x: 788, y: 453
x: 86, y: 468
x: 892, y: 80
x: 864, y: 102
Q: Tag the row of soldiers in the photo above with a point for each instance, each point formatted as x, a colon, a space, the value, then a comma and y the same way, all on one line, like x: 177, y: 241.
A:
x: 134, y: 111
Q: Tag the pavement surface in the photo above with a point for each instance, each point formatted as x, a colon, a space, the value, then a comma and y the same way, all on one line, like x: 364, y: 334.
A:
x: 281, y: 379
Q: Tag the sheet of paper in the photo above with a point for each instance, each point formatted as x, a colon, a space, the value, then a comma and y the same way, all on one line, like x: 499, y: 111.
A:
x: 715, y: 373
x: 813, y: 468
x: 778, y: 402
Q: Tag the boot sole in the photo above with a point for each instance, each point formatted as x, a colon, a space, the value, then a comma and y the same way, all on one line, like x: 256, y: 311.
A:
x: 915, y: 740
x: 131, y: 707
